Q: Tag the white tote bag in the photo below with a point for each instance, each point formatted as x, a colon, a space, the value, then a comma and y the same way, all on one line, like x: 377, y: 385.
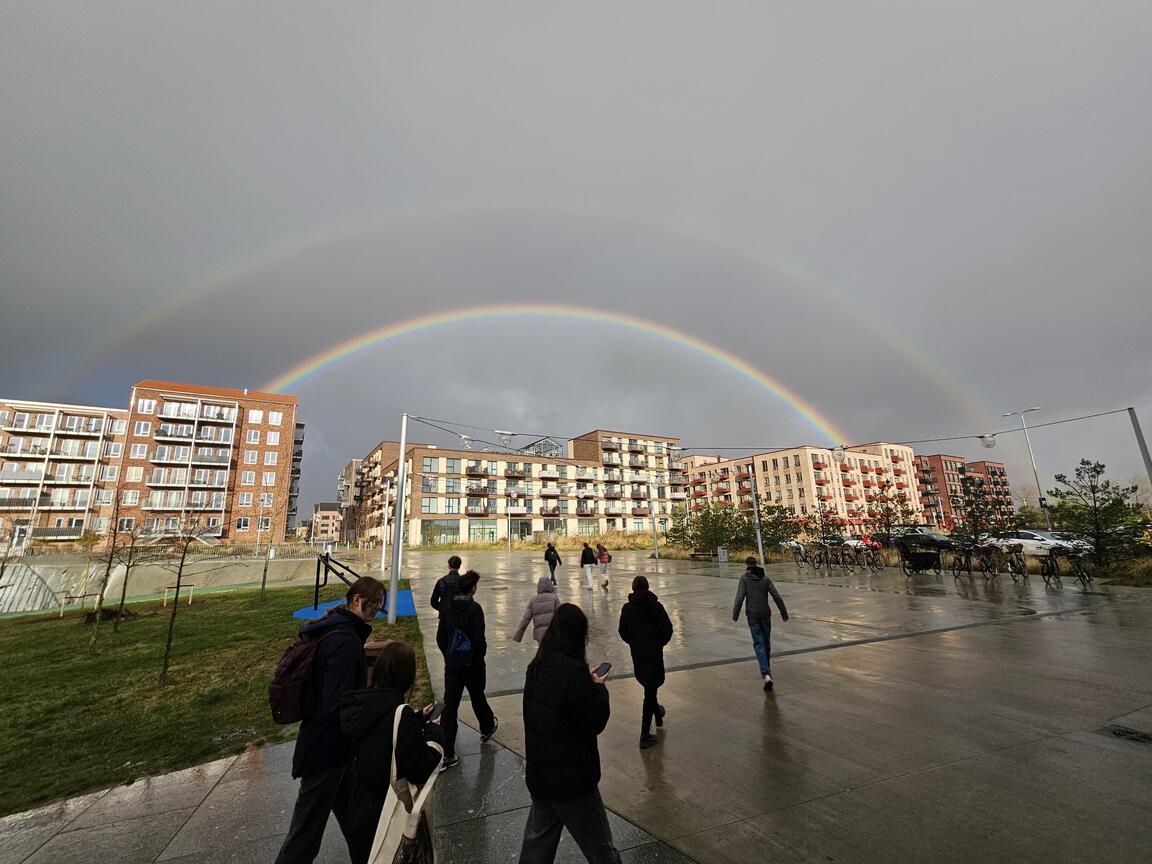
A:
x: 400, y: 819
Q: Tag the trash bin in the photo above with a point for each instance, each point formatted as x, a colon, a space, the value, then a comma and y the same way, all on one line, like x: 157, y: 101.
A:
x: 721, y: 554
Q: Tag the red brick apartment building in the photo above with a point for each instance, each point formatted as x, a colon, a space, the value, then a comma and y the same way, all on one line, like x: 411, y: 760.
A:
x: 227, y: 459
x: 941, y: 479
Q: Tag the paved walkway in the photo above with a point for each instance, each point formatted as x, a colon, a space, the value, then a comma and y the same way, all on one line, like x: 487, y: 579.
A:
x: 929, y: 719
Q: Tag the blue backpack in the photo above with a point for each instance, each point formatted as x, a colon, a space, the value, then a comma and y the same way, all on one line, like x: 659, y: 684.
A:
x: 460, y: 651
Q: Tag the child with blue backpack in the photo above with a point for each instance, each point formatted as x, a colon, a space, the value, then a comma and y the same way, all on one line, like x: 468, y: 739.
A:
x: 460, y: 638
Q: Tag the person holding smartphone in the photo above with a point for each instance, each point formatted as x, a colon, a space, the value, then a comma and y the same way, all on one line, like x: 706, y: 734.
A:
x: 366, y: 718
x: 565, y: 708
x: 646, y: 627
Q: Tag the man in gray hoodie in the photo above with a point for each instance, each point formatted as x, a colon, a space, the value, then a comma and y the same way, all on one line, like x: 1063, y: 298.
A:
x: 754, y: 588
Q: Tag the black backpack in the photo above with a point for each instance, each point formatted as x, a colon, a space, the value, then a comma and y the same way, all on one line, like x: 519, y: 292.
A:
x: 291, y: 695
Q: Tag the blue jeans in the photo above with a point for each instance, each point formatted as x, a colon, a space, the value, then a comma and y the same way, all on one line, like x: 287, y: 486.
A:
x: 762, y: 641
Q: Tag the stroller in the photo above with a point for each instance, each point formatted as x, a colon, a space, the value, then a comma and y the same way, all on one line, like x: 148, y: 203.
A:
x: 918, y: 557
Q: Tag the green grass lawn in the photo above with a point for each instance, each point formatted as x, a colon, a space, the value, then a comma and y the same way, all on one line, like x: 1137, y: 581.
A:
x: 73, y: 721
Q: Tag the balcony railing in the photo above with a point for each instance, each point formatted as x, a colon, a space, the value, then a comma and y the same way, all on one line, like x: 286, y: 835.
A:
x: 171, y: 433
x: 638, y: 495
x: 477, y: 489
x: 721, y: 490
x: 610, y: 446
x: 585, y: 474
x: 549, y: 511
x: 550, y: 491
x: 211, y: 414
x: 210, y: 459
x: 517, y: 473
x: 637, y: 462
x: 36, y: 453
x: 72, y: 533
x: 475, y: 511
x: 677, y: 496
x: 549, y: 474
x: 517, y: 510
x: 78, y: 453
x: 475, y: 471
x: 520, y: 491
x: 17, y: 503
x: 637, y: 448
x: 70, y: 479
x: 611, y: 460
x: 820, y: 466
x: 612, y: 493
x: 21, y: 477
x: 640, y: 511
x: 96, y: 427
x: 585, y: 511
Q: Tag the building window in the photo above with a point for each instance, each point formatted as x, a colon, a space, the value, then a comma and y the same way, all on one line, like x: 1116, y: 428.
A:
x: 125, y: 523
x: 452, y: 505
x: 134, y: 473
x: 253, y: 436
x: 427, y: 484
x: 242, y: 523
x: 109, y: 472
x: 428, y: 505
x: 139, y: 451
x: 245, y: 499
x: 270, y: 457
x: 146, y: 406
x: 255, y: 415
x: 247, y: 478
x: 130, y: 498
x: 275, y: 418
x: 142, y: 429
x: 272, y: 438
x: 482, y: 531
x: 440, y: 531
x: 269, y: 479
x: 251, y: 457
x: 265, y: 523
x: 453, y: 466
x: 452, y: 485
x: 430, y: 465
x: 113, y: 449
x: 265, y: 499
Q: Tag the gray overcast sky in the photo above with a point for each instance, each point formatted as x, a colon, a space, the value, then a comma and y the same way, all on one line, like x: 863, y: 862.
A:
x: 253, y: 182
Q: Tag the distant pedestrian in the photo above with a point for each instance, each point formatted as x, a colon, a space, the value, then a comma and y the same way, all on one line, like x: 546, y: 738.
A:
x: 565, y: 708
x: 460, y: 638
x: 588, y: 561
x: 367, y: 718
x: 553, y: 559
x: 755, y: 588
x: 646, y: 627
x: 445, y: 587
x: 540, y: 610
x: 605, y: 558
x: 323, y: 752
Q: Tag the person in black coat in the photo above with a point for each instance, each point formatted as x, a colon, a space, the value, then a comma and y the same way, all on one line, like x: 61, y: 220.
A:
x: 645, y: 626
x: 552, y: 557
x: 366, y: 717
x: 464, y: 614
x: 565, y: 708
x: 322, y: 752
x: 445, y: 588
x: 588, y: 561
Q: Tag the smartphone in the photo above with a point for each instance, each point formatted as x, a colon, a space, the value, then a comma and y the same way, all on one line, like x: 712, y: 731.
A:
x: 437, y: 710
x: 602, y: 670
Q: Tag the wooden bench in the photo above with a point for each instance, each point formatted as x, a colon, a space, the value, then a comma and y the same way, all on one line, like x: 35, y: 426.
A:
x: 701, y: 554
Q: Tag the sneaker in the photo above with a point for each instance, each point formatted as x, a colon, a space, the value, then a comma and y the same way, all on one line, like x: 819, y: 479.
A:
x: 604, y: 584
x: 449, y: 762
x: 660, y: 712
x: 485, y: 737
x: 648, y: 740
x: 767, y: 682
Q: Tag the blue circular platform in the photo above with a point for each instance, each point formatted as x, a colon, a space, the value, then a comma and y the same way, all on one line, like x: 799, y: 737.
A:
x: 406, y: 608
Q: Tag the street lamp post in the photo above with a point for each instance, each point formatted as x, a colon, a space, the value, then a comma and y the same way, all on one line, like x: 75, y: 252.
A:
x: 756, y: 513
x: 1035, y: 474
x: 398, y: 520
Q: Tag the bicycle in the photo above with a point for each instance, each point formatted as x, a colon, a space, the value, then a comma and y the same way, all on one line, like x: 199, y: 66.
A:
x: 986, y: 561
x: 875, y: 560
x: 1014, y: 562
x: 961, y: 562
x: 1050, y: 568
x: 799, y: 553
x: 1079, y: 568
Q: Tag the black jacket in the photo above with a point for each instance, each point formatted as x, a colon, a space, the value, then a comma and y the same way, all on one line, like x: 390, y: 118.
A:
x: 464, y: 613
x: 444, y: 590
x: 552, y: 556
x: 645, y: 626
x: 338, y: 666
x: 587, y: 556
x: 564, y: 711
x: 366, y: 720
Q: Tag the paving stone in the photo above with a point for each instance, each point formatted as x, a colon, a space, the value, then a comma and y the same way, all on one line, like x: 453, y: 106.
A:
x: 132, y: 841
x: 21, y: 834
x: 177, y: 791
x: 487, y: 783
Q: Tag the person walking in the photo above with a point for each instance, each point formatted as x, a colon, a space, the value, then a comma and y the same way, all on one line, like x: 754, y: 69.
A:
x: 540, y: 610
x: 553, y: 559
x: 446, y: 585
x: 460, y: 638
x: 646, y: 627
x: 605, y: 558
x: 566, y: 707
x: 323, y: 752
x: 588, y: 561
x: 366, y: 717
x: 754, y: 589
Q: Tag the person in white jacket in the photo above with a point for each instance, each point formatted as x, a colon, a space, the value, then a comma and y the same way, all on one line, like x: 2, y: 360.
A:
x: 540, y: 610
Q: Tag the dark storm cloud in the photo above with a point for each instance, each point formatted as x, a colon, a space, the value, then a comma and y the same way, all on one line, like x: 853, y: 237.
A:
x: 976, y: 178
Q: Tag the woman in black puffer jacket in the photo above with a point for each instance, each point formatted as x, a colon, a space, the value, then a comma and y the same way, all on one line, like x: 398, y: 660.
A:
x: 366, y: 718
x: 565, y: 708
x: 645, y: 626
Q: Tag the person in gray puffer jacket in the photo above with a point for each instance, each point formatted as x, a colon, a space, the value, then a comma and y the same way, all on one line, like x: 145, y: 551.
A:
x: 540, y: 610
x: 755, y: 588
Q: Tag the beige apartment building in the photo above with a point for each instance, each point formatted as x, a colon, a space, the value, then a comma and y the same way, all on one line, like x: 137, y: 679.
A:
x: 325, y: 523
x: 227, y: 460
x: 600, y: 482
x: 845, y: 483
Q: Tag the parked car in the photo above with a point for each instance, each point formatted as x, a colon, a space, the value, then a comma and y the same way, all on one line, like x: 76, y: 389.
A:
x: 1036, y: 542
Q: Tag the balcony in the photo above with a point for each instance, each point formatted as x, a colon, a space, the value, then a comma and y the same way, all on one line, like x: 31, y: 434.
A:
x: 638, y: 495
x: 698, y: 481
x: 613, y: 510
x: 17, y: 503
x: 822, y: 481
x: 700, y: 493
x: 678, y: 496
x: 212, y: 414
x: 850, y: 497
x: 725, y: 504
x: 70, y: 480
x: 515, y: 491
x: 171, y: 433
x: 613, y: 476
x: 517, y: 510
x: 721, y: 490
x: 475, y: 511
x: 585, y: 474
x: 867, y: 484
x: 480, y: 489
x: 76, y: 454
x: 585, y: 511
x: 927, y: 469
x: 696, y: 507
x: 550, y: 492
x: 21, y: 477
x: 744, y: 489
x: 848, y: 481
x: 218, y: 484
x: 640, y: 511
x: 865, y: 469
x: 209, y: 459
x: 516, y: 473
x: 549, y: 511
x: 609, y: 446
x: 825, y: 497
x: 72, y: 533
x: 475, y: 471
x: 845, y: 467
x: 899, y: 472
x: 637, y: 462
x: 611, y: 460
x: 549, y: 474
x: 32, y: 454
x: 89, y: 430
x: 820, y: 466
x: 637, y: 448
x: 901, y: 485
x: 744, y: 475
x: 612, y: 493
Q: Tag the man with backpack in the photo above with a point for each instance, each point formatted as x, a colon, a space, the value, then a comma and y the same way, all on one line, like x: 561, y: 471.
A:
x: 336, y: 665
x: 460, y: 638
x: 552, y: 557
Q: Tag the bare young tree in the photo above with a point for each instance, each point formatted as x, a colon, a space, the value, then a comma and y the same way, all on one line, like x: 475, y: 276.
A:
x: 130, y: 549
x: 889, y: 509
x: 277, y: 515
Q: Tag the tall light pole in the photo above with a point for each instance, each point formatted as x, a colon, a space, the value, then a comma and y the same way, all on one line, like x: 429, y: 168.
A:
x: 398, y: 521
x: 384, y: 525
x: 1035, y: 474
x: 1140, y: 441
x: 756, y: 512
